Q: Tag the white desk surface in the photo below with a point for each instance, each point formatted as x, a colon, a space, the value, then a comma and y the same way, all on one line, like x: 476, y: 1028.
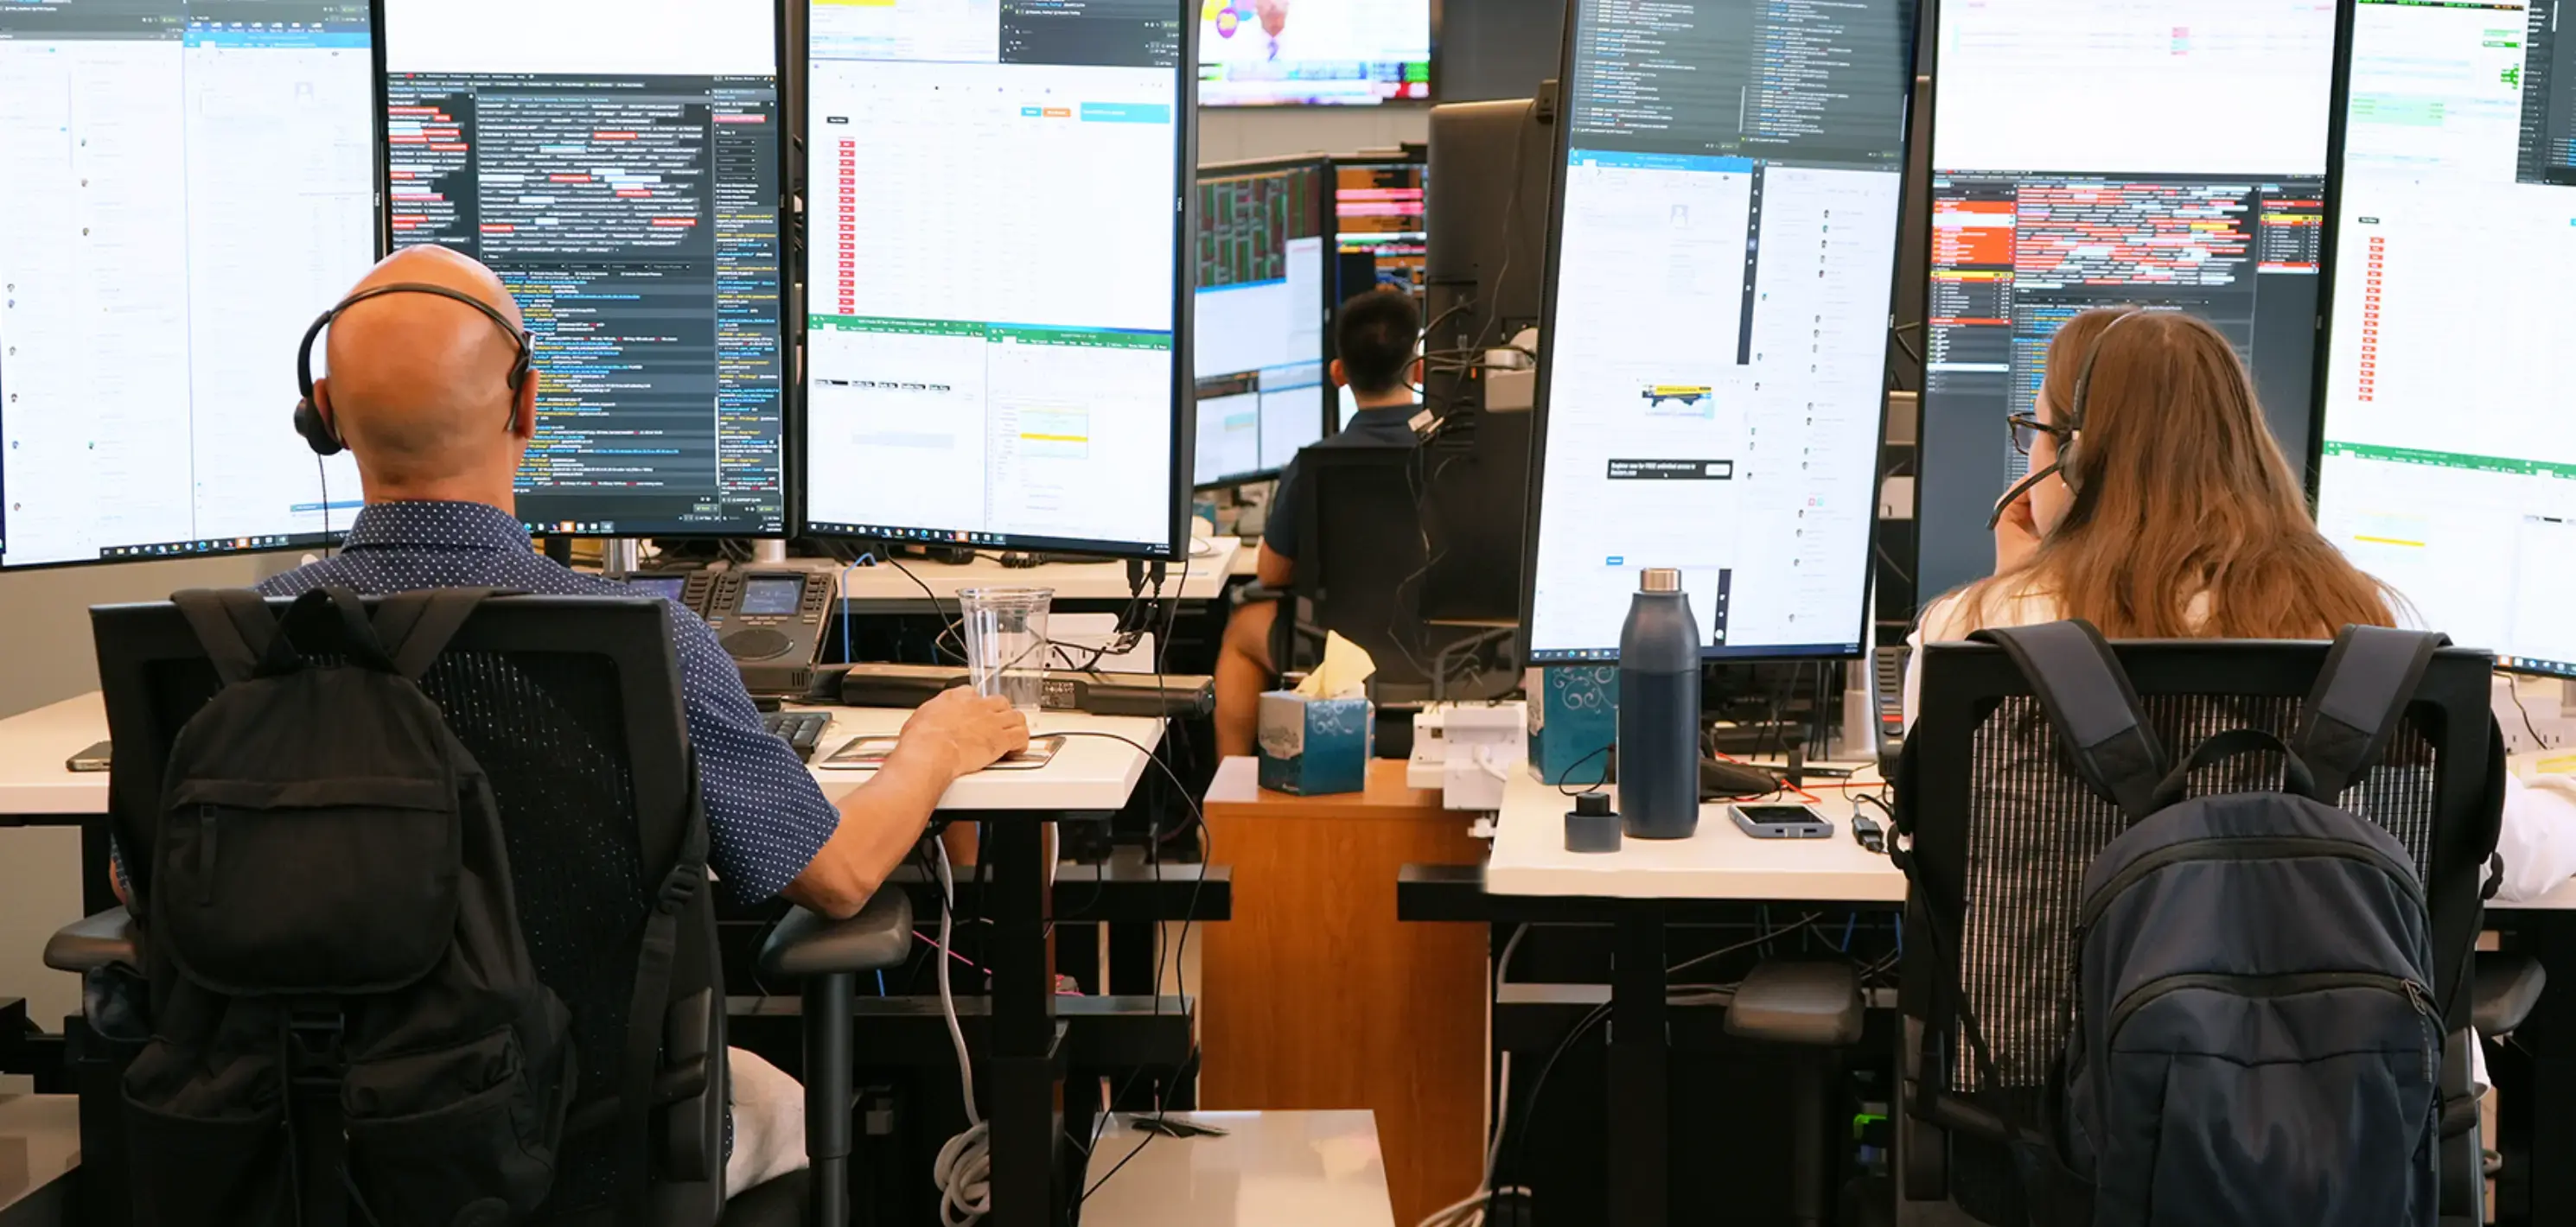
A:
x: 1090, y: 773
x: 1247, y: 558
x: 33, y: 746
x: 1718, y: 862
x: 1095, y: 581
x: 1272, y: 1169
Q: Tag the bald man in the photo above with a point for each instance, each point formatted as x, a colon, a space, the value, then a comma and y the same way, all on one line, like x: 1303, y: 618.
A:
x: 420, y: 390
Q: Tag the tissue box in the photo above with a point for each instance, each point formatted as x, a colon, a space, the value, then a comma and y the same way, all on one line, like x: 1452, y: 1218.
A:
x: 1573, y: 720
x: 1314, y: 747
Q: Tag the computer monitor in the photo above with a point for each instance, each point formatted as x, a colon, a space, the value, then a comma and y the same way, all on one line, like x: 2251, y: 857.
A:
x: 1730, y: 177
x: 184, y: 185
x: 1378, y: 211
x: 1262, y: 300
x: 2206, y: 196
x: 2448, y: 460
x: 997, y: 304
x: 1485, y: 256
x: 619, y: 166
x: 1313, y: 52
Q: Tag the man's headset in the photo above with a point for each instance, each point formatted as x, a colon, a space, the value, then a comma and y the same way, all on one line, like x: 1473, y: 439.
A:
x: 2065, y: 434
x: 319, y: 432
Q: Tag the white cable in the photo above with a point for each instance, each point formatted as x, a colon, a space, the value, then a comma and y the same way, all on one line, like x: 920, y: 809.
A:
x: 964, y: 1168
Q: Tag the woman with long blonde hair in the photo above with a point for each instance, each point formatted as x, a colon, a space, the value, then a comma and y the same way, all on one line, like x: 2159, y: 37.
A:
x: 2159, y: 507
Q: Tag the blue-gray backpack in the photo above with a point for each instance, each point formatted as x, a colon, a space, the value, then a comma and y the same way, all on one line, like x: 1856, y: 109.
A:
x: 2255, y: 1039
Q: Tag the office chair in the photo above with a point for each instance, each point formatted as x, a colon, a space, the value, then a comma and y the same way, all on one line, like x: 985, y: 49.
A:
x: 572, y: 706
x: 2000, y: 826
x: 1365, y: 559
x: 1814, y: 1009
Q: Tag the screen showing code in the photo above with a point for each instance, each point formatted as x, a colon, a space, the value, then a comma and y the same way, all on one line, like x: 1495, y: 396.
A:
x: 636, y: 219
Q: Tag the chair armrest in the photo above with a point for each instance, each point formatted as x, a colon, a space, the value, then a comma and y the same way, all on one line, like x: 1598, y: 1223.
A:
x: 2502, y: 991
x: 104, y: 940
x: 806, y: 944
x: 1257, y: 593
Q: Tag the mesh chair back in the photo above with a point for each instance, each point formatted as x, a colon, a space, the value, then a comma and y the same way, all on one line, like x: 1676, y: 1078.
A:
x: 2002, y: 825
x: 572, y: 707
x: 1362, y: 553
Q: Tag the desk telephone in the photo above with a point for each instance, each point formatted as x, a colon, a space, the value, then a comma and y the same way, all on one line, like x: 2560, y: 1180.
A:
x: 770, y: 622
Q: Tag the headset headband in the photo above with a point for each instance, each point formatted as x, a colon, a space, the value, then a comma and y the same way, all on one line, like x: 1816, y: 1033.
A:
x: 518, y: 339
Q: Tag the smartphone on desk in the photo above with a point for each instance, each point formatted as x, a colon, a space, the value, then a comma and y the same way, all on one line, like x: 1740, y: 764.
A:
x: 1782, y: 822
x: 869, y: 753
x: 95, y: 758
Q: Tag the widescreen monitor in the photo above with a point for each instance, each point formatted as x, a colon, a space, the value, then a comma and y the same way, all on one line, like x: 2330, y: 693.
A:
x: 2447, y: 463
x: 1729, y: 183
x: 1313, y: 52
x: 997, y: 307
x: 1262, y: 301
x: 2209, y: 200
x: 184, y: 185
x: 618, y: 164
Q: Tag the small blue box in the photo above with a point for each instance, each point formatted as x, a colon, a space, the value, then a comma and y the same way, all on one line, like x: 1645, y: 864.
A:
x: 1574, y: 720
x: 1315, y: 747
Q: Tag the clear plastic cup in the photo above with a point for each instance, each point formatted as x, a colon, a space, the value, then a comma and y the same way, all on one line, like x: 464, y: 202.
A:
x: 1006, y: 642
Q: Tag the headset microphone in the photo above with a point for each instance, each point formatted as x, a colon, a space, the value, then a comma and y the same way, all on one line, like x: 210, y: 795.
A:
x: 318, y: 432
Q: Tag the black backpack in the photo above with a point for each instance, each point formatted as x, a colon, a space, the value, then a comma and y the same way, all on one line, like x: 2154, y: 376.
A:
x: 2255, y: 1038
x: 346, y: 1024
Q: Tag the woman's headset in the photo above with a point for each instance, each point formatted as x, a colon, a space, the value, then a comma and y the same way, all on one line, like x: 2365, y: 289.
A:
x: 2065, y: 435
x: 325, y: 438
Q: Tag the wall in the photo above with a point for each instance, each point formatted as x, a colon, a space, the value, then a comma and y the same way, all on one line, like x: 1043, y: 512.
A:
x: 1228, y: 134
x: 45, y: 657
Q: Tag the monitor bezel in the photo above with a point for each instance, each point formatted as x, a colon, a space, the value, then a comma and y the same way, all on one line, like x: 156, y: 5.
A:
x: 1323, y: 165
x: 791, y: 432
x: 1182, y: 392
x: 1563, y: 145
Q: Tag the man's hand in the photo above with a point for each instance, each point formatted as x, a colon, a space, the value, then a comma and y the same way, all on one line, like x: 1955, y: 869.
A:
x: 960, y: 733
x: 2016, y: 535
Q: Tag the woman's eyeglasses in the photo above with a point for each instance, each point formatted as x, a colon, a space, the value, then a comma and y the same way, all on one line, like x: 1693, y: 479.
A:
x: 2025, y: 428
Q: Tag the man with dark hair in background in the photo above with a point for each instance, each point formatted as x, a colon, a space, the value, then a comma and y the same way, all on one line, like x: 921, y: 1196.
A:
x: 1377, y: 340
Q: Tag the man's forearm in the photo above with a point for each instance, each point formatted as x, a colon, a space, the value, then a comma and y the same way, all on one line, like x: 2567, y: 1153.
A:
x: 880, y: 823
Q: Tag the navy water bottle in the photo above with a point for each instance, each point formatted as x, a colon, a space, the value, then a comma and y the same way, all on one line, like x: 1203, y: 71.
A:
x: 1659, y: 711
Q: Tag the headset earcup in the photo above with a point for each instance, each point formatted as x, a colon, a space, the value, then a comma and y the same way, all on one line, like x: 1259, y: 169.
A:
x: 317, y: 433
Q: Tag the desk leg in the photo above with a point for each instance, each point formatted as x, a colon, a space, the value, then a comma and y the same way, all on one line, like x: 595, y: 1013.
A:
x: 2542, y: 1116
x: 1639, y: 1083
x: 1026, y: 1192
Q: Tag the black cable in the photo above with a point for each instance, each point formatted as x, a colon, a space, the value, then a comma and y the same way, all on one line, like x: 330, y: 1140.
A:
x: 1528, y: 1116
x: 2538, y: 742
x: 1570, y: 769
x: 953, y: 625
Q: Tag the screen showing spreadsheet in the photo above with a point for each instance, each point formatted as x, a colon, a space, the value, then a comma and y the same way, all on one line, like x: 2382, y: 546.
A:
x: 617, y: 163
x: 2211, y: 201
x: 996, y: 344
x: 1313, y: 52
x: 1258, y: 342
x: 1715, y: 342
x: 184, y: 185
x: 2447, y: 464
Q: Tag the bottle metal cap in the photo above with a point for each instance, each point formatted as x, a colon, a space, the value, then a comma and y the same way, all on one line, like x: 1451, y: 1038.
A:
x: 1660, y: 579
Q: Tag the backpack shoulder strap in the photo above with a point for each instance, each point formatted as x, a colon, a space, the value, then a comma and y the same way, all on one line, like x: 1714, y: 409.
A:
x: 2361, y: 693
x: 2092, y: 706
x: 233, y: 625
x: 416, y: 626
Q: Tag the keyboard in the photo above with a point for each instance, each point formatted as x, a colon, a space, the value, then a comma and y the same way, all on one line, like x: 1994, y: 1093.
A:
x: 801, y: 730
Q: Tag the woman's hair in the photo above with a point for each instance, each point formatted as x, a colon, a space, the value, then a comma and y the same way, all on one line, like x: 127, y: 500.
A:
x: 2182, y: 499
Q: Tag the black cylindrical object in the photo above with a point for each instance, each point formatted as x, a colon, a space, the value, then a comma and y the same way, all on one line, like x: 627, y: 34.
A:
x: 828, y: 1044
x: 1659, y: 711
x: 1590, y: 826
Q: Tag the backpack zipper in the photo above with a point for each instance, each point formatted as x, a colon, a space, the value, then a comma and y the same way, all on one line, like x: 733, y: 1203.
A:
x: 2290, y: 985
x: 2254, y: 848
x: 206, y: 842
